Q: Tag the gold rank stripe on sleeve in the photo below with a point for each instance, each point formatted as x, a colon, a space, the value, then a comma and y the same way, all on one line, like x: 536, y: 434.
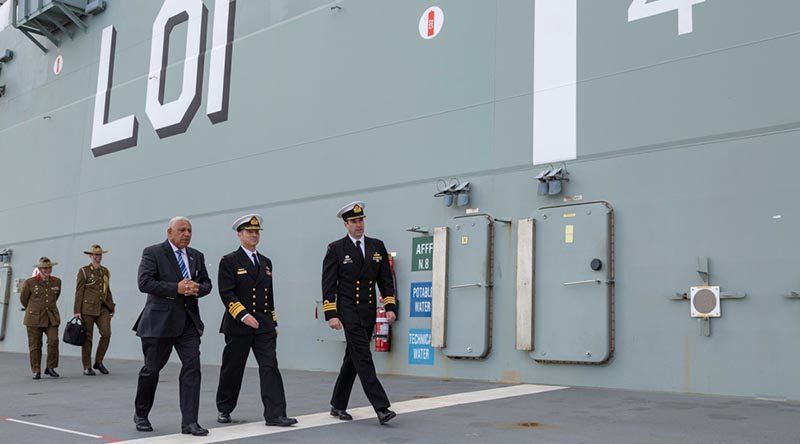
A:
x: 234, y: 308
x: 389, y: 300
x: 274, y: 317
x: 328, y: 306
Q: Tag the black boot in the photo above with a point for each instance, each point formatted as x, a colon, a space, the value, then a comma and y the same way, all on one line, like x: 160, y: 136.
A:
x: 224, y: 418
x: 194, y: 429
x: 341, y: 414
x: 384, y: 415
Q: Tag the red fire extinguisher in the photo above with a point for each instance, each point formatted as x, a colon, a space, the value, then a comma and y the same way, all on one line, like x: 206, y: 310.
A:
x: 382, y: 339
x: 383, y: 331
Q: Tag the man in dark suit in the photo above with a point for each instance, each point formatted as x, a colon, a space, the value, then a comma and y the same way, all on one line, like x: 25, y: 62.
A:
x: 245, y: 286
x: 352, y: 267
x: 173, y: 276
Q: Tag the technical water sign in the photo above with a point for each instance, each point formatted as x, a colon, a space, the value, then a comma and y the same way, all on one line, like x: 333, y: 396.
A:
x: 421, y: 299
x: 420, y: 351
x: 422, y: 253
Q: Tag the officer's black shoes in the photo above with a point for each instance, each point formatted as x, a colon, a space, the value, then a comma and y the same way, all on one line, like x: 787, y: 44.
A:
x: 142, y: 423
x: 385, y: 415
x: 51, y: 372
x: 194, y: 430
x: 341, y: 414
x: 37, y: 375
x: 223, y: 418
x: 89, y: 372
x: 101, y: 368
x: 281, y: 421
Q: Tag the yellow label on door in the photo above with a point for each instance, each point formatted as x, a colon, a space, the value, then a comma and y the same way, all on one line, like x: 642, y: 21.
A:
x: 464, y: 240
x: 569, y: 232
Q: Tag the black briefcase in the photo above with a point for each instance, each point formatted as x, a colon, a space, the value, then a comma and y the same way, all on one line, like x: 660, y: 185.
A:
x: 75, y: 333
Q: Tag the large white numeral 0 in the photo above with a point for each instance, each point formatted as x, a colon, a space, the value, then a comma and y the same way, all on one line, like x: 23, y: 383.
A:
x: 640, y: 9
x: 174, y: 117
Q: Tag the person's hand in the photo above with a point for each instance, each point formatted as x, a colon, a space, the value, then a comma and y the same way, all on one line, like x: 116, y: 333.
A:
x: 335, y: 324
x: 188, y: 287
x: 183, y: 287
x: 390, y: 316
x: 78, y: 315
x: 250, y: 321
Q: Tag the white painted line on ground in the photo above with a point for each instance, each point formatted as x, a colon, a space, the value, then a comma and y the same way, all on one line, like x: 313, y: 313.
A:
x: 228, y: 433
x: 59, y: 429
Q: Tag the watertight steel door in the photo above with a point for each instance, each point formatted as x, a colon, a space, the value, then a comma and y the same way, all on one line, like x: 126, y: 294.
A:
x: 573, y: 310
x: 469, y: 286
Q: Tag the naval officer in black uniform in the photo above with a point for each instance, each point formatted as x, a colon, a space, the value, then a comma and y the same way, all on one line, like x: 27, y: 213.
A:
x: 245, y: 286
x: 352, y: 267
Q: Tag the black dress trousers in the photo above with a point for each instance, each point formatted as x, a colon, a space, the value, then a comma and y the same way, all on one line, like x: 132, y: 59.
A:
x: 358, y: 361
x: 156, y: 354
x: 234, y: 358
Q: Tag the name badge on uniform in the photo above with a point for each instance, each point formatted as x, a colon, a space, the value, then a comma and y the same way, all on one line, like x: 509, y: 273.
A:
x: 377, y: 257
x: 241, y: 271
x: 347, y: 260
x: 54, y: 288
x: 269, y: 272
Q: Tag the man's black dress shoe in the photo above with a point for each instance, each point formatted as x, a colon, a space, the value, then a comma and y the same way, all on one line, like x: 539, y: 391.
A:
x: 281, y: 421
x: 51, y: 372
x: 89, y: 372
x: 341, y: 414
x: 37, y: 375
x: 384, y: 415
x: 102, y: 368
x: 223, y: 418
x: 142, y: 423
x: 194, y: 430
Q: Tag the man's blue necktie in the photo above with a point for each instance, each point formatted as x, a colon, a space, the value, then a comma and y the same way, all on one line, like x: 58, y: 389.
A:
x: 181, y: 265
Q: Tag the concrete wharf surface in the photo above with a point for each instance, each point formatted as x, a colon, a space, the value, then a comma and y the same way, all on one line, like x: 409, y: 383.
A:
x: 94, y: 409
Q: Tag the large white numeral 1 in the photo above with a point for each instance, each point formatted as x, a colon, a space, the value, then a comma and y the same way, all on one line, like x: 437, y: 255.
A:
x: 555, y: 72
x: 219, y: 80
x: 640, y: 9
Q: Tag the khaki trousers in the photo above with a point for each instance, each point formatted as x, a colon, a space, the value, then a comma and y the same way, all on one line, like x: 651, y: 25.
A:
x: 35, y: 347
x: 103, y: 323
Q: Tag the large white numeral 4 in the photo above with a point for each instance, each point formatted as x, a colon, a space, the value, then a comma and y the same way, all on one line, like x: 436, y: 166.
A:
x: 640, y: 9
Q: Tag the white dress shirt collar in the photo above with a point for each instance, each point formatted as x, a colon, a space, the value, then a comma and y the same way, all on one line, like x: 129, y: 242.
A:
x: 174, y: 248
x: 250, y: 253
x: 352, y: 239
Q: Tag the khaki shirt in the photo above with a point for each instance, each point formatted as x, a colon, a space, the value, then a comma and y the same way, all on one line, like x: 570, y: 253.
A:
x: 39, y: 297
x: 92, y: 291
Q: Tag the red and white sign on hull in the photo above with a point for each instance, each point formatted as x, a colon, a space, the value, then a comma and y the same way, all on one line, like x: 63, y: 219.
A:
x: 431, y: 22
x: 58, y: 64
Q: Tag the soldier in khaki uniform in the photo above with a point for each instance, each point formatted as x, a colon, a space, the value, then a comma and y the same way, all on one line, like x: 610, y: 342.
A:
x: 39, y: 295
x: 94, y: 305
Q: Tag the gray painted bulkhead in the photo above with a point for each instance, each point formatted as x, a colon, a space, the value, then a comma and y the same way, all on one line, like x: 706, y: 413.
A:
x: 692, y: 139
